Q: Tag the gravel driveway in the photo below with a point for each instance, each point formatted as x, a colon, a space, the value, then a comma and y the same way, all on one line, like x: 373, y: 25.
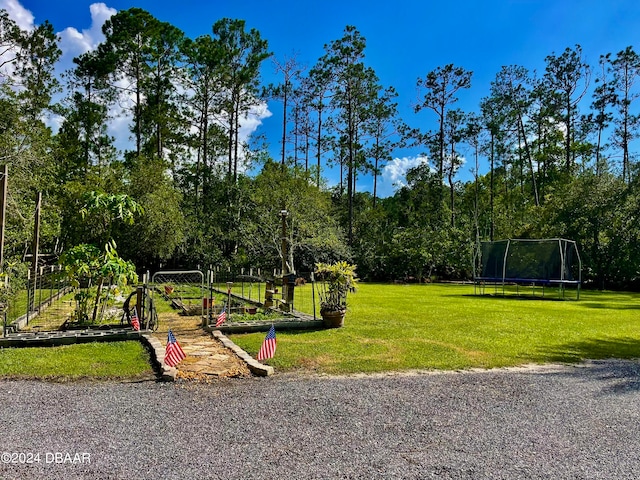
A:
x: 550, y: 422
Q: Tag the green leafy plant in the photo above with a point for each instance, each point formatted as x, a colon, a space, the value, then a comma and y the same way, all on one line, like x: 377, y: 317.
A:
x: 107, y: 207
x: 95, y: 267
x: 99, y: 267
x: 337, y: 280
x: 81, y: 312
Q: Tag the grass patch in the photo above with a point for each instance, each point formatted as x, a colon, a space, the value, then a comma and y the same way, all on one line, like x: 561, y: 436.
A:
x: 98, y: 360
x: 403, y: 327
x: 162, y: 304
x: 18, y: 303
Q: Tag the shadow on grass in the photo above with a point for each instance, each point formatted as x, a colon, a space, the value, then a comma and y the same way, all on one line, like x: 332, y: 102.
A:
x: 594, y: 349
x: 288, y: 331
x: 302, y: 331
x: 610, y: 361
x: 610, y: 305
x: 509, y: 296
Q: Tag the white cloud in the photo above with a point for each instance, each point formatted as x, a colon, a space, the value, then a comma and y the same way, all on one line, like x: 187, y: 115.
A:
x: 74, y: 42
x: 250, y: 122
x: 394, y: 172
x: 23, y: 17
x: 121, y: 120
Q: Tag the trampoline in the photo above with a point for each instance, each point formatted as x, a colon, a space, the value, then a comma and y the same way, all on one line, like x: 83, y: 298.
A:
x: 553, y: 262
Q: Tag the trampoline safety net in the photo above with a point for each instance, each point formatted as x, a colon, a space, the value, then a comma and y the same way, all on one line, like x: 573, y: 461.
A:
x: 530, y: 261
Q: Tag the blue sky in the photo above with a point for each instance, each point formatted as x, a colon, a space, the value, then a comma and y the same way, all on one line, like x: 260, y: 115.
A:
x: 405, y: 39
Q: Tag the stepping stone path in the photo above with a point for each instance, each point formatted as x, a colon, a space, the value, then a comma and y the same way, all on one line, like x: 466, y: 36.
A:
x: 207, y: 359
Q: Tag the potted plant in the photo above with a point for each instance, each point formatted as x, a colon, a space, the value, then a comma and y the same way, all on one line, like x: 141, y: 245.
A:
x: 337, y: 280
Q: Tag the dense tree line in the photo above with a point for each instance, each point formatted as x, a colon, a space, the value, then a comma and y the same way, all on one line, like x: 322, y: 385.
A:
x: 559, y: 145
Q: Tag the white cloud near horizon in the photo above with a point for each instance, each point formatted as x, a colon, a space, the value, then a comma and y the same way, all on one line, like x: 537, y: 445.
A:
x: 250, y: 121
x: 394, y: 172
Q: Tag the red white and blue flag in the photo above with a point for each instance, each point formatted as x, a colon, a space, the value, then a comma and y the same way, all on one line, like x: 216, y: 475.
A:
x: 173, y: 354
x: 135, y: 322
x: 268, y: 348
x: 222, y: 317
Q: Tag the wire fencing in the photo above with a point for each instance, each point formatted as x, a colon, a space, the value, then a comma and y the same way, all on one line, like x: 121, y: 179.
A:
x: 249, y: 293
x: 183, y: 289
x: 46, y: 301
x: 43, y: 301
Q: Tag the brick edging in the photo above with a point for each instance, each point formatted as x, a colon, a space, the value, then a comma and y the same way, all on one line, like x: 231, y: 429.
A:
x: 166, y: 373
x: 256, y: 367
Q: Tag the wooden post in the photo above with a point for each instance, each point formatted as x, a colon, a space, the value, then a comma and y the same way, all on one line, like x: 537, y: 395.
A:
x: 3, y: 209
x: 268, y: 293
x: 36, y: 244
x: 139, y: 306
x: 283, y: 214
x: 313, y: 293
x: 288, y: 299
x: 229, y: 285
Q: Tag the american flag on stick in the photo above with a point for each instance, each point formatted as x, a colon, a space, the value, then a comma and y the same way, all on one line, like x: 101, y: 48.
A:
x: 222, y: 317
x: 135, y: 322
x: 173, y: 354
x: 268, y: 348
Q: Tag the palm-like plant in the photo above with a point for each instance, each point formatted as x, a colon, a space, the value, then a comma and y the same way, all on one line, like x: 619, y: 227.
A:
x: 337, y: 280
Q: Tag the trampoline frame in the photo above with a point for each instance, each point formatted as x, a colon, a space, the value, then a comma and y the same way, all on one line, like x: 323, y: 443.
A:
x: 480, y: 282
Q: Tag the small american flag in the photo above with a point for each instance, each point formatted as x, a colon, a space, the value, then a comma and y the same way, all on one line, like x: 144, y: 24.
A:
x: 135, y: 322
x: 221, y: 318
x: 173, y: 354
x: 268, y: 348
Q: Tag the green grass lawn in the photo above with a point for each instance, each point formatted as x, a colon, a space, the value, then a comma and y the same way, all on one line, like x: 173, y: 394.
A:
x: 403, y: 327
x: 107, y: 360
x: 18, y: 304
